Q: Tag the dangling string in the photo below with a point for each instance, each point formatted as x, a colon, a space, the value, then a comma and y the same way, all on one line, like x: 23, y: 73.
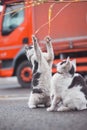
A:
x: 49, y: 18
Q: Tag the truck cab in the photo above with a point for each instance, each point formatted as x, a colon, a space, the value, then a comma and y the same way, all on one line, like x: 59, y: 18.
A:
x: 15, y: 32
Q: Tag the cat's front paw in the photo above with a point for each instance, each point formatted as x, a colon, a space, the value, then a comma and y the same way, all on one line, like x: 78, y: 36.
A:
x: 32, y: 106
x: 50, y: 109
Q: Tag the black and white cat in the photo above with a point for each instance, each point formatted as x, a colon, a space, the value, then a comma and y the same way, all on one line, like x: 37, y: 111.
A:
x: 42, y: 65
x: 68, y: 89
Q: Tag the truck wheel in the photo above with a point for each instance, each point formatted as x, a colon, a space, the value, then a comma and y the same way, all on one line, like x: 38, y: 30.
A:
x: 24, y: 74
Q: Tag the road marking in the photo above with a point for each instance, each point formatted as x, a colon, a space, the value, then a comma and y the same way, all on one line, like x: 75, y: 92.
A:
x: 13, y: 98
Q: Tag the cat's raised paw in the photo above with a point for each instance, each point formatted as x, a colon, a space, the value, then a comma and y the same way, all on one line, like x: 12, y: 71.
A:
x: 47, y: 39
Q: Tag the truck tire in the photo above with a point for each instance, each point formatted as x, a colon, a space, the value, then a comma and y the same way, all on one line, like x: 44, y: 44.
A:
x: 24, y: 74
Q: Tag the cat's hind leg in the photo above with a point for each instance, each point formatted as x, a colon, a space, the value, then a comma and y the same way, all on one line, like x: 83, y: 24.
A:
x: 47, y: 103
x: 63, y: 108
x: 33, y: 101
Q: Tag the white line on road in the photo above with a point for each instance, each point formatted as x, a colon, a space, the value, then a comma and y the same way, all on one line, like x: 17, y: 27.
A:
x: 12, y: 98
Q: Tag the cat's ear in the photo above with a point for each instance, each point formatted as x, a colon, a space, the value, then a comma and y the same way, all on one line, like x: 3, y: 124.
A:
x: 74, y: 63
x: 68, y: 60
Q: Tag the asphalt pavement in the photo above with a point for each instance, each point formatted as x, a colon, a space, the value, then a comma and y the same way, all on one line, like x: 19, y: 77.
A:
x: 15, y: 114
x: 9, y: 87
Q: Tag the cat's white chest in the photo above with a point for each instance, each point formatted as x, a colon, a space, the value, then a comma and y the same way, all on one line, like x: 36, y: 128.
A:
x: 61, y: 82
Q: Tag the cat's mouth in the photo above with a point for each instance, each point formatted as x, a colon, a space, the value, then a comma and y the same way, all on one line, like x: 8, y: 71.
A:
x: 60, y: 72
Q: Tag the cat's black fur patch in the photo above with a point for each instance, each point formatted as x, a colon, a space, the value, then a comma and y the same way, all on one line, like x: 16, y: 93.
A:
x: 35, y: 66
x: 72, y: 70
x: 79, y: 80
x: 30, y: 47
x: 62, y: 62
x: 37, y: 90
x: 36, y: 77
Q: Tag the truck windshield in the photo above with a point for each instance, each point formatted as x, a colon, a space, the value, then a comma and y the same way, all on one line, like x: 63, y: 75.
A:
x: 14, y: 16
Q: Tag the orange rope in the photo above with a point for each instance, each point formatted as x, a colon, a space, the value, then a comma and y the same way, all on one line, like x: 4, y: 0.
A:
x: 49, y: 18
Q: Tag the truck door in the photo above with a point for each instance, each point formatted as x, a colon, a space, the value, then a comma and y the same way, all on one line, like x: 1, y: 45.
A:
x: 13, y: 30
x: 16, y: 31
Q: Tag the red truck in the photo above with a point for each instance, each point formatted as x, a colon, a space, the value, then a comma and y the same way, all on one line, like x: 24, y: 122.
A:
x: 64, y: 21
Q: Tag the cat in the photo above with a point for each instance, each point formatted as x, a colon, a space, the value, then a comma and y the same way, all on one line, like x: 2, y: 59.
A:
x: 42, y: 65
x: 68, y: 88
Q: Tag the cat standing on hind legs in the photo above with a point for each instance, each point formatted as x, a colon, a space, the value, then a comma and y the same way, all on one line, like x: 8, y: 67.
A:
x: 68, y: 89
x: 42, y: 64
